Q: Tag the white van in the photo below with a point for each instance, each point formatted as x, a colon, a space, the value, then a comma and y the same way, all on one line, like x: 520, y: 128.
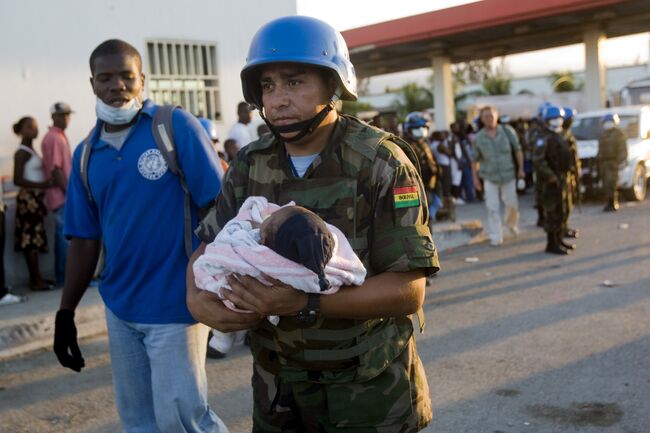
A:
x: 635, y: 122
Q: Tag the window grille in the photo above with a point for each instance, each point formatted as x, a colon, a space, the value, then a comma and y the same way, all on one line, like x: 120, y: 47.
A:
x: 184, y: 73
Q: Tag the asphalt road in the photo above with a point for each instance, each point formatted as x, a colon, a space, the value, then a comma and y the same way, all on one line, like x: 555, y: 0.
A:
x: 516, y: 341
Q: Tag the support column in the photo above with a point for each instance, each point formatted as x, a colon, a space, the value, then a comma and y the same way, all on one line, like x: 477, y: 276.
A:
x: 443, y: 93
x: 595, y: 89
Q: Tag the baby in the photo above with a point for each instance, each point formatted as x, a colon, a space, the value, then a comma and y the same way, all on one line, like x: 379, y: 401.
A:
x: 289, y: 243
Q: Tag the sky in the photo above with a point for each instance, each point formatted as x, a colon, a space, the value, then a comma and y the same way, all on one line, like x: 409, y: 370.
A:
x: 347, y: 14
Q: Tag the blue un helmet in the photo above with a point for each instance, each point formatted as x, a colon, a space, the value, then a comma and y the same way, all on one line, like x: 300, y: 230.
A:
x: 416, y: 125
x: 553, y: 112
x: 569, y: 113
x: 209, y: 127
x: 611, y: 117
x: 298, y: 39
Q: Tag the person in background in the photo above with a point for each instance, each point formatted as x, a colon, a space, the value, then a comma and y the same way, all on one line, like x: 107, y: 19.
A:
x: 57, y: 161
x: 612, y: 154
x: 440, y: 146
x: 262, y: 129
x: 492, y: 152
x: 416, y: 130
x: 30, y: 236
x: 462, y: 152
x: 554, y: 159
x: 239, y: 131
x: 6, y: 298
x: 573, y: 176
x: 211, y: 129
x: 231, y: 149
x: 131, y: 205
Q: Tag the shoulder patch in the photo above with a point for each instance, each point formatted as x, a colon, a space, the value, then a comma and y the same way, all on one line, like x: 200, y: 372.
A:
x: 540, y: 142
x: 406, y: 196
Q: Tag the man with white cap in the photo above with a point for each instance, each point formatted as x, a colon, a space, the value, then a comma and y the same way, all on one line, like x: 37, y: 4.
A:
x: 57, y: 161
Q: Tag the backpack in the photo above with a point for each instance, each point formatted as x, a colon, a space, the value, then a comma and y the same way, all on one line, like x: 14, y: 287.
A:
x: 163, y: 134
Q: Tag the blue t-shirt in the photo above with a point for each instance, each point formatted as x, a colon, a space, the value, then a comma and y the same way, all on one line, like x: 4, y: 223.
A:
x: 137, y: 212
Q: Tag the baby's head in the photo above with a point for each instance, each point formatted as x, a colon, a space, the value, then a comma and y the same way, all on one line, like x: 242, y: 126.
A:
x: 301, y: 236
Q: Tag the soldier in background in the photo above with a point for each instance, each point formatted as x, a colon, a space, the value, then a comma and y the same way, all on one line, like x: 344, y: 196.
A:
x: 612, y: 153
x: 346, y: 360
x: 573, y: 177
x: 553, y: 163
x: 416, y: 129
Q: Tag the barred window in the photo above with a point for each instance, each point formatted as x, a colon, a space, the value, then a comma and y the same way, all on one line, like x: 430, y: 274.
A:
x: 184, y: 73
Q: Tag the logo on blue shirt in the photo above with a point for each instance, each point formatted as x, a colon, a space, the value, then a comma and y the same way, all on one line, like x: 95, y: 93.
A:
x: 152, y: 165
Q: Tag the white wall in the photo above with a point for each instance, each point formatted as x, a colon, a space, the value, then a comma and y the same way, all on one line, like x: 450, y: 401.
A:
x: 44, y: 50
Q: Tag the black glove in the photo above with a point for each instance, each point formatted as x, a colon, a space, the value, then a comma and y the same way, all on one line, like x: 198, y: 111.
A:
x: 65, y: 341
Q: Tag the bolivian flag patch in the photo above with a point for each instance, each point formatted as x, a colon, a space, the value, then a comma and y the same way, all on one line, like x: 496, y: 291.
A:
x: 406, y: 196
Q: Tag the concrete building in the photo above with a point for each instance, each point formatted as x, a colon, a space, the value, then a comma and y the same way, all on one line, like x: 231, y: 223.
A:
x: 192, y: 54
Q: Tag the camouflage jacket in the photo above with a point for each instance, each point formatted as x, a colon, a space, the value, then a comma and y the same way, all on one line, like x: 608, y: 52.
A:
x: 363, y: 184
x: 428, y: 165
x: 553, y: 156
x: 612, y: 146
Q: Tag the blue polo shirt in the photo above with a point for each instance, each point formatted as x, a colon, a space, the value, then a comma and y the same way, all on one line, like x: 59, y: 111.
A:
x: 137, y: 212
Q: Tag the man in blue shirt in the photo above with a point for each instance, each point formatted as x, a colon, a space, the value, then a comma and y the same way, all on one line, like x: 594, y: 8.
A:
x: 133, y: 206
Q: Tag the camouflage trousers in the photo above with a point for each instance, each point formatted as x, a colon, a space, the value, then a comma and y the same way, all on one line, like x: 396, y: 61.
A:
x: 556, y: 203
x: 397, y: 400
x: 609, y: 177
x: 570, y: 198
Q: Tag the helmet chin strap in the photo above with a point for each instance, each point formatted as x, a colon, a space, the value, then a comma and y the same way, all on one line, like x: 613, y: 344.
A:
x: 305, y: 127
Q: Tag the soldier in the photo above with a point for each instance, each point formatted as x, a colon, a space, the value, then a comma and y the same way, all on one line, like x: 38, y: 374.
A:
x: 416, y: 129
x: 612, y: 153
x: 573, y: 178
x: 345, y: 360
x: 553, y: 162
x: 537, y: 132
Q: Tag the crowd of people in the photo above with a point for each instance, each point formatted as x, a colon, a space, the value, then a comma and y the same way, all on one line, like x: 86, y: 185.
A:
x: 495, y: 158
x: 347, y: 203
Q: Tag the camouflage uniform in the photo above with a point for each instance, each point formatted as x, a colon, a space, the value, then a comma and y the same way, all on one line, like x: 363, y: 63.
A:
x: 537, y: 134
x: 573, y: 176
x: 340, y: 374
x: 612, y: 152
x: 553, y: 157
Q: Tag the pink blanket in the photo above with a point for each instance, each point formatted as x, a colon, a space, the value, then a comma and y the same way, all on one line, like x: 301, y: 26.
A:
x: 236, y: 249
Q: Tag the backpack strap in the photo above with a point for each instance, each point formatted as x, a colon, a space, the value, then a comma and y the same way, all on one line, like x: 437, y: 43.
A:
x: 163, y: 134
x: 83, y: 163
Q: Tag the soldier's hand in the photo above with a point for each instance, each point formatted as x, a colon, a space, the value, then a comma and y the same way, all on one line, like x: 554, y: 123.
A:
x: 65, y: 341
x: 521, y: 174
x: 208, y: 308
x: 553, y: 181
x: 276, y: 300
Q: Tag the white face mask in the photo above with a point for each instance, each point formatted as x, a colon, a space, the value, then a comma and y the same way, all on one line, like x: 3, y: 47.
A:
x: 117, y: 115
x: 608, y: 125
x: 556, y: 124
x: 420, y: 132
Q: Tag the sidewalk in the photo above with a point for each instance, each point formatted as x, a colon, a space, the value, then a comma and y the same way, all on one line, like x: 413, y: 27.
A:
x: 30, y: 326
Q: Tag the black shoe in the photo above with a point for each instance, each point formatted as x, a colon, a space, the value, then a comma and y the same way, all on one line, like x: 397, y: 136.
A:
x: 553, y: 247
x: 571, y: 233
x: 610, y: 207
x: 564, y: 244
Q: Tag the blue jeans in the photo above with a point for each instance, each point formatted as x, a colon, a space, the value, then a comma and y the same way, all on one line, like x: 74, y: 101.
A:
x: 159, y: 377
x: 60, y: 246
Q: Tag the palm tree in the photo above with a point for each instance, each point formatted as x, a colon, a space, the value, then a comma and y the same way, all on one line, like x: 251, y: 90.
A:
x: 413, y: 98
x: 564, y: 81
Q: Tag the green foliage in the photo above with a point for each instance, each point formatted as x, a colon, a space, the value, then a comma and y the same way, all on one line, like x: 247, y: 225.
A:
x: 564, y: 81
x: 413, y: 98
x: 353, y: 107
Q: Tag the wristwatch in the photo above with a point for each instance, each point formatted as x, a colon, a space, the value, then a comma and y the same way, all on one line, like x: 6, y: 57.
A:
x: 310, y: 313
